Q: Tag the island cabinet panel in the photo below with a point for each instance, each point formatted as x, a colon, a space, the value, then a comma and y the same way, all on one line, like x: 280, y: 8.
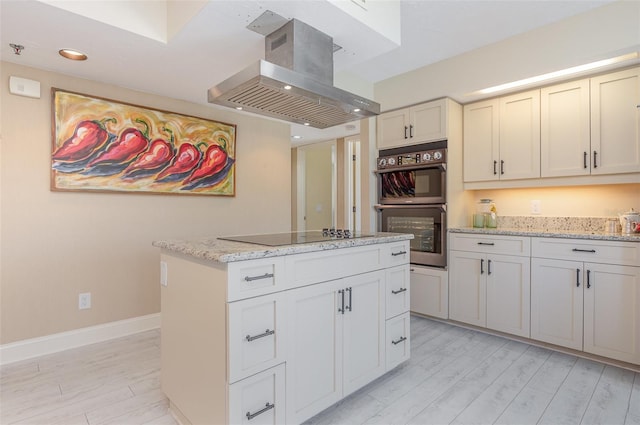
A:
x: 277, y: 340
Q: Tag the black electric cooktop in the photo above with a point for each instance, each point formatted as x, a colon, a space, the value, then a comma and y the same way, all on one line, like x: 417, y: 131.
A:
x: 294, y: 238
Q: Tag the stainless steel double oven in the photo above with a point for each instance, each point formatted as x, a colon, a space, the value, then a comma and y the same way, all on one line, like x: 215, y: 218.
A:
x: 412, y: 198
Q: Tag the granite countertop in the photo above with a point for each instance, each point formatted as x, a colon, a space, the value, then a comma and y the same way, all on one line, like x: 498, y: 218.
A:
x: 569, y: 234
x: 224, y: 251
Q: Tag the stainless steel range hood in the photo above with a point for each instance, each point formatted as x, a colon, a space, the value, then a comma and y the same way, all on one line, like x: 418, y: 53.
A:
x: 295, y: 82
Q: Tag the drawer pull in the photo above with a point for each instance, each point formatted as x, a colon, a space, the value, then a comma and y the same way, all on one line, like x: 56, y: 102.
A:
x: 266, y: 333
x: 399, y: 291
x: 486, y: 243
x: 395, y: 254
x: 264, y: 276
x: 402, y: 338
x: 583, y: 250
x: 266, y: 408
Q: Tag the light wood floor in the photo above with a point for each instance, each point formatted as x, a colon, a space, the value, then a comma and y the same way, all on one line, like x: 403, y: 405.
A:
x: 455, y: 376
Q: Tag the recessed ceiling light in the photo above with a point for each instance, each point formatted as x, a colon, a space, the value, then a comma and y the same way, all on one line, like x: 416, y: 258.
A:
x: 239, y: 108
x: 297, y: 137
x: 72, y: 54
x: 356, y: 110
x: 307, y: 123
x: 287, y: 87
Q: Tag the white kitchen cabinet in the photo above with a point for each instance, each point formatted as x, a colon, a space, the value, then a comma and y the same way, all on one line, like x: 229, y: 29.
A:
x: 417, y: 124
x: 615, y: 122
x: 502, y: 138
x: 565, y: 139
x: 487, y: 288
x: 259, y: 399
x: 398, y: 345
x: 585, y: 295
x: 430, y: 291
x: 336, y: 340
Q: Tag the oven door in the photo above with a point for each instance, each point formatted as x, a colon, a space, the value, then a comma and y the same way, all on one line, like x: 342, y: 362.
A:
x: 427, y: 223
x: 412, y: 185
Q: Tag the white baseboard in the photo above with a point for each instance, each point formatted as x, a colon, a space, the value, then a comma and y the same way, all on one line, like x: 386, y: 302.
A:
x: 34, y: 347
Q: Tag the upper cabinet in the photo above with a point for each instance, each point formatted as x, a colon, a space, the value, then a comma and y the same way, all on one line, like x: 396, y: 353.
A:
x: 413, y: 125
x: 615, y: 122
x: 502, y: 138
x: 588, y: 128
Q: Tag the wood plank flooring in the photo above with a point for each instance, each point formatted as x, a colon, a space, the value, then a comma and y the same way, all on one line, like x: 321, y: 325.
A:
x: 455, y: 376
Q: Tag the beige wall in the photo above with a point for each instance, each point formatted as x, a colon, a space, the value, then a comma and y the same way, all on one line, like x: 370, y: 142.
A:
x: 55, y: 245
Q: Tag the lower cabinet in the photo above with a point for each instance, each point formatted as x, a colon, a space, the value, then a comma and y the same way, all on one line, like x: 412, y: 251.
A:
x: 336, y: 341
x: 587, y: 306
x: 490, y: 291
x: 259, y: 398
x: 430, y: 291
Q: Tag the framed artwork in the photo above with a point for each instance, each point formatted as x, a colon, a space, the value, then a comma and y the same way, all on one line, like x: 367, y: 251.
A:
x: 104, y: 145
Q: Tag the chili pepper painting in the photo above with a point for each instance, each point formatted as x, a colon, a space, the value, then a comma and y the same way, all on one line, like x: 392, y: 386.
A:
x: 100, y: 144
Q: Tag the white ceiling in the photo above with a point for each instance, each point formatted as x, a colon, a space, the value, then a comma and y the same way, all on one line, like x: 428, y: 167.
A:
x: 214, y: 44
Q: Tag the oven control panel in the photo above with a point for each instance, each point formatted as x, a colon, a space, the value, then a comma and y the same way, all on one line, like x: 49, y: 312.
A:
x: 436, y: 156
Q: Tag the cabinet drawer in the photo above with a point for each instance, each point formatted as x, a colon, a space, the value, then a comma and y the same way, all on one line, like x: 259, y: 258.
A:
x: 494, y: 244
x: 259, y: 399
x: 610, y: 252
x: 395, y: 254
x: 255, y: 277
x: 397, y: 340
x: 397, y: 287
x: 315, y: 267
x: 256, y: 337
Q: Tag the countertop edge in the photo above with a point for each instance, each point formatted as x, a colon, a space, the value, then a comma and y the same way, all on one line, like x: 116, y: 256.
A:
x: 566, y: 234
x: 223, y: 251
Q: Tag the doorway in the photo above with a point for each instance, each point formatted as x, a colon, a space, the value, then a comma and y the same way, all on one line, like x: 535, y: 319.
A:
x: 316, y: 186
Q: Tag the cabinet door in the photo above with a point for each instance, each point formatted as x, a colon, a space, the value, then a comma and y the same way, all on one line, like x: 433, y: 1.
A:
x: 363, y: 330
x: 520, y: 136
x: 615, y: 122
x: 508, y: 294
x: 467, y: 287
x: 430, y: 292
x: 481, y: 141
x: 393, y: 129
x: 612, y: 312
x: 428, y: 122
x: 557, y: 302
x: 314, y: 361
x: 565, y: 138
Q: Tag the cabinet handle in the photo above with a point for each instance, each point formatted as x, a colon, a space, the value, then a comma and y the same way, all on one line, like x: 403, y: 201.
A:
x: 350, y: 300
x: 341, y: 308
x: 399, y: 291
x: 266, y: 333
x: 412, y: 270
x: 395, y: 254
x: 489, y: 267
x: 588, y: 279
x: 583, y: 250
x: 486, y: 243
x: 402, y: 338
x: 411, y: 130
x: 578, y: 278
x: 264, y: 276
x: 585, y: 159
x: 501, y: 166
x: 482, y: 266
x: 494, y: 167
x: 266, y: 408
x: 405, y: 132
x: 595, y: 159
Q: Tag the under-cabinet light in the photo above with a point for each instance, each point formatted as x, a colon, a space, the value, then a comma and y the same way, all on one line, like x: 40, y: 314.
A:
x: 561, y: 73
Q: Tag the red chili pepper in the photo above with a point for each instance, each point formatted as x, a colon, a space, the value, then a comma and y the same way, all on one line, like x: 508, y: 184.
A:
x: 186, y: 159
x: 214, y: 160
x: 160, y: 151
x: 128, y: 146
x: 89, y: 136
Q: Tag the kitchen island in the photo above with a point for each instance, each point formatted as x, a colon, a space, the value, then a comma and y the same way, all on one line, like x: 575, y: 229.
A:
x: 279, y: 333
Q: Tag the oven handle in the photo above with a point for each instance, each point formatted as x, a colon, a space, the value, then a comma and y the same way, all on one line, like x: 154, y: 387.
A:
x: 441, y: 207
x: 441, y: 167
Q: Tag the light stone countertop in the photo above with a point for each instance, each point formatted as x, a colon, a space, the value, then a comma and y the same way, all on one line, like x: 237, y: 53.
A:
x: 224, y: 251
x: 568, y: 234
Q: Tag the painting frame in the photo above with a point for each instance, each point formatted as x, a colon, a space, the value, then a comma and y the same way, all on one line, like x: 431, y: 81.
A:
x: 106, y: 145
